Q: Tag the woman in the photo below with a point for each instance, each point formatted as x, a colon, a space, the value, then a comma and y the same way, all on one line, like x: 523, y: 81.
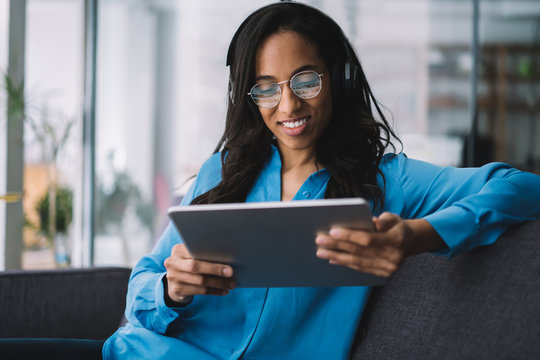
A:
x: 300, y: 125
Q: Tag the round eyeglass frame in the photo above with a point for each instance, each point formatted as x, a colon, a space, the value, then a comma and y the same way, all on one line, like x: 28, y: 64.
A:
x: 250, y: 93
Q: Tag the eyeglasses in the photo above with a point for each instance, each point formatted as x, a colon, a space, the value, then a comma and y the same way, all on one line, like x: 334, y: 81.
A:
x: 305, y: 84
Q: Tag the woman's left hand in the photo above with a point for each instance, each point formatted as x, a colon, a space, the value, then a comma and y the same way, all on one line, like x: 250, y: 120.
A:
x: 378, y: 252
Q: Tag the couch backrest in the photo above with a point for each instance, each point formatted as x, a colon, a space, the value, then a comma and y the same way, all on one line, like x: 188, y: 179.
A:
x: 65, y: 303
x: 484, y: 304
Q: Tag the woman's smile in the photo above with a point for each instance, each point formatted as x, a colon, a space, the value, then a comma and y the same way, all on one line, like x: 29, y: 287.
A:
x: 294, y: 127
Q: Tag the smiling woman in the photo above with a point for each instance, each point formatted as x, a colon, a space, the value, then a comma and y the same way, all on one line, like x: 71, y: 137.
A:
x: 302, y: 123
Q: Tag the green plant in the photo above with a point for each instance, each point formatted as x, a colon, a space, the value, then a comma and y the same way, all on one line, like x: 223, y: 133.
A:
x: 13, y: 96
x: 16, y: 100
x: 64, y: 211
x: 112, y: 202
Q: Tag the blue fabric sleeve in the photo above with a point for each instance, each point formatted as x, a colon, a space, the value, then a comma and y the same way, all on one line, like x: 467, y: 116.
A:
x: 468, y: 207
x: 145, y: 302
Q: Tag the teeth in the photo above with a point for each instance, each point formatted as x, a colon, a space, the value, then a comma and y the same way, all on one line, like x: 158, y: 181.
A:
x: 294, y: 124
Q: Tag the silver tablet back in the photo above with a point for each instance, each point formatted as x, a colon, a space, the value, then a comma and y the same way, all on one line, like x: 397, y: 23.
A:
x: 272, y: 244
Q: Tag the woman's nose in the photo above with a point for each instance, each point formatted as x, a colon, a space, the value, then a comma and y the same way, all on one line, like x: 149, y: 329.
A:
x: 289, y: 101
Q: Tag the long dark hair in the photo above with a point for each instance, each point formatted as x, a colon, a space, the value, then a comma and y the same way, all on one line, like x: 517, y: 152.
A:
x: 351, y: 148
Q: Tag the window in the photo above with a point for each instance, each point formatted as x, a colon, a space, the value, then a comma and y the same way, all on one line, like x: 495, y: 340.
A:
x: 162, y: 92
x: 54, y: 84
x: 161, y: 102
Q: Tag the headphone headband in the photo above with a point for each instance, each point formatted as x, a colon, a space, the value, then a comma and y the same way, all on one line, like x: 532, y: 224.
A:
x: 234, y: 40
x: 350, y: 67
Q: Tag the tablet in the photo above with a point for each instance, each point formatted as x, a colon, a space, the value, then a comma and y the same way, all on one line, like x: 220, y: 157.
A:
x: 272, y: 244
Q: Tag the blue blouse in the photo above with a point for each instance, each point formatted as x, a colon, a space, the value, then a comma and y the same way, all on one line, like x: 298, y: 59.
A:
x: 468, y: 207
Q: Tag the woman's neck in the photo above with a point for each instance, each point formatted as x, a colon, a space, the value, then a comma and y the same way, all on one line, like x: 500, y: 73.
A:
x: 296, y: 167
x: 295, y: 160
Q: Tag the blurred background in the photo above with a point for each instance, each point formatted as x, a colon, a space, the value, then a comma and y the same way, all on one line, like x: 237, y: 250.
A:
x: 108, y: 107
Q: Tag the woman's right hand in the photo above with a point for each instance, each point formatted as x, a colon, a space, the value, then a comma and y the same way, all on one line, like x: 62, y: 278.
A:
x: 187, y: 277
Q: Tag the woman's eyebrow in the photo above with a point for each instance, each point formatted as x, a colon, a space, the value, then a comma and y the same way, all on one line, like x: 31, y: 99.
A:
x: 296, y: 71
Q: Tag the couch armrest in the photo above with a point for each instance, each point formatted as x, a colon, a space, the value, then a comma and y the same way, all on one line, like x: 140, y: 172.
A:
x: 480, y: 305
x: 65, y: 303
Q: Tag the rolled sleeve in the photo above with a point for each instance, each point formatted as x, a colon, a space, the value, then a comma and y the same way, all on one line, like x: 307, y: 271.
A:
x: 455, y: 237
x: 467, y: 207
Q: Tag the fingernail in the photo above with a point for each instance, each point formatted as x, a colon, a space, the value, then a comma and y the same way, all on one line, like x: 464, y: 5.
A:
x: 336, y: 233
x: 321, y: 240
x: 227, y: 272
x: 322, y: 253
x: 333, y: 262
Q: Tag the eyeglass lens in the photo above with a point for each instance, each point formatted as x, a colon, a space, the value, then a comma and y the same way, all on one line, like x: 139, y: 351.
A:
x: 305, y: 84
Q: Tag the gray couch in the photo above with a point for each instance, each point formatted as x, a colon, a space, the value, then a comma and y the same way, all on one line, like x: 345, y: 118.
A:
x: 65, y: 303
x: 484, y: 304
x: 481, y: 305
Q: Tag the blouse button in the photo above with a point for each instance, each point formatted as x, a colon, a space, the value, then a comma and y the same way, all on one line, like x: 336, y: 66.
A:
x: 306, y: 194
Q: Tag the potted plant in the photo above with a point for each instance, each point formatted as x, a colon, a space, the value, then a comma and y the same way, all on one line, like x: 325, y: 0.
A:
x: 62, y: 218
x: 51, y: 129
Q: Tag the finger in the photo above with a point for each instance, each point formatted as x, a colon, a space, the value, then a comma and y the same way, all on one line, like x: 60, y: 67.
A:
x: 181, y: 251
x: 198, y: 267
x: 376, y: 224
x: 177, y: 292
x: 387, y: 253
x: 359, y: 237
x: 204, y: 280
x: 386, y: 220
x: 364, y: 238
x: 330, y: 243
x: 364, y: 263
x: 390, y: 253
x: 377, y: 272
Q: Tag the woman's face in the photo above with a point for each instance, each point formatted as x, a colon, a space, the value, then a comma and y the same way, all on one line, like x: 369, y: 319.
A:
x: 297, y: 123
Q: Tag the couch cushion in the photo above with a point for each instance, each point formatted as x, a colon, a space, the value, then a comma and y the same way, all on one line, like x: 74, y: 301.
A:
x: 65, y: 303
x: 484, y: 304
x: 51, y: 349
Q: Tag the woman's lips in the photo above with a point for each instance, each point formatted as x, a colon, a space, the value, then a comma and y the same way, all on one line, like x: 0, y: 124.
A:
x: 295, y: 126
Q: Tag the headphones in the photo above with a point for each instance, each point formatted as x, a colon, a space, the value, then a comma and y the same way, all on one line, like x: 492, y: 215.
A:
x: 230, y: 56
x: 232, y: 45
x: 350, y: 68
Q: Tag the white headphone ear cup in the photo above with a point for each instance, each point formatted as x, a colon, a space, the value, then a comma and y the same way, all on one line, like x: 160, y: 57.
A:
x: 350, y: 69
x: 231, y: 90
x: 350, y: 74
